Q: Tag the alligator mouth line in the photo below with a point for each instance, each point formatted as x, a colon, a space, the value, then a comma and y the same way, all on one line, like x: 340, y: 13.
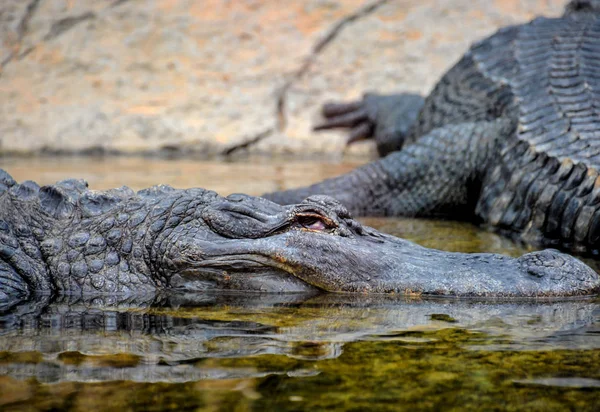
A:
x: 249, y: 262
x: 256, y: 272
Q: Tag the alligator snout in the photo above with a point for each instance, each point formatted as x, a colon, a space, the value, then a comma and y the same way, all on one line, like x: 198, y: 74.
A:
x: 558, y: 272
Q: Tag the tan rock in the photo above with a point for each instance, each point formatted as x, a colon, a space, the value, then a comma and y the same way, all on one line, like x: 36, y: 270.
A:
x: 206, y: 76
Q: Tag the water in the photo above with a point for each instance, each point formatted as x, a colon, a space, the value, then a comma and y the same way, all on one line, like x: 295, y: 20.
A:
x: 252, y: 176
x: 292, y: 352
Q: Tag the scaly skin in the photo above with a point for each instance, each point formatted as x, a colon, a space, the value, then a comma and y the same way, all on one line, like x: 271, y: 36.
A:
x: 68, y: 239
x: 510, y: 136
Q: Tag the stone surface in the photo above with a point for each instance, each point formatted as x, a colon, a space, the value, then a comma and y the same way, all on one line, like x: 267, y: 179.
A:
x: 214, y: 75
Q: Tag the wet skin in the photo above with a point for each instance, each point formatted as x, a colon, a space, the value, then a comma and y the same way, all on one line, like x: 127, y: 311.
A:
x: 66, y: 238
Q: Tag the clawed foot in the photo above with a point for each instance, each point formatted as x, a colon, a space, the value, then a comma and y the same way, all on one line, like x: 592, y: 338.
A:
x: 387, y: 119
x: 353, y: 115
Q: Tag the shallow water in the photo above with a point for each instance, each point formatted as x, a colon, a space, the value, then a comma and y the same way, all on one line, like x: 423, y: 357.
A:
x: 292, y: 352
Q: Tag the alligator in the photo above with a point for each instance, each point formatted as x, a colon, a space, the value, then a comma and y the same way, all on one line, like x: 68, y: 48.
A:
x: 509, y: 138
x: 65, y: 238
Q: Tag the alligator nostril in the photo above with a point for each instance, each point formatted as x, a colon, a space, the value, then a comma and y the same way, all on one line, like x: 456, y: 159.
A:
x: 559, y: 268
x: 542, y: 263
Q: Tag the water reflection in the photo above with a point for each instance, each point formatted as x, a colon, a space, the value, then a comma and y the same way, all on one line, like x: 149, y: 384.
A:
x: 168, y: 338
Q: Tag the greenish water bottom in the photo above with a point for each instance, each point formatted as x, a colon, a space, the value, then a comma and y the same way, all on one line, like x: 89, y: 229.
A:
x: 436, y: 374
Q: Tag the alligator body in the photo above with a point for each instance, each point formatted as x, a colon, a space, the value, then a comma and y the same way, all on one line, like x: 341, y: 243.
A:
x: 66, y: 238
x: 510, y: 136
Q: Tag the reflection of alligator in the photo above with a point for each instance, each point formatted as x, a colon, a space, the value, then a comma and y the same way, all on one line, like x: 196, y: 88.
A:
x: 68, y: 238
x: 509, y: 136
x: 167, y: 337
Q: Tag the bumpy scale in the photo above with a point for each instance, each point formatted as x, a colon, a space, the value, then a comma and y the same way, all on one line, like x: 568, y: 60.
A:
x: 65, y: 238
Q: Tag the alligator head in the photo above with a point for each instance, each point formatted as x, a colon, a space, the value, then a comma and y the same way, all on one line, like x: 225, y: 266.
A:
x: 254, y: 244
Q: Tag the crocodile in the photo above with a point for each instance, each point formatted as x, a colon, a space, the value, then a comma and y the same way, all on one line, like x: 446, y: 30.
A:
x: 508, y: 138
x: 66, y: 238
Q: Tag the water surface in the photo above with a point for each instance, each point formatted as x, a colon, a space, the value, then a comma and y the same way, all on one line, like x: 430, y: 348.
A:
x: 243, y: 351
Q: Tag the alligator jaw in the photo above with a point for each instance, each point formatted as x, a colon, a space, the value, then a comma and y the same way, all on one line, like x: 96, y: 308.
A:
x: 397, y: 266
x: 300, y: 260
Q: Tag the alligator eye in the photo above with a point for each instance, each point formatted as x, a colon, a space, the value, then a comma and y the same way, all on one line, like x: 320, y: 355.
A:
x: 312, y: 223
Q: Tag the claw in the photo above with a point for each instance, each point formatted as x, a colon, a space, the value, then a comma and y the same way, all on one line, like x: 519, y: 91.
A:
x: 361, y: 132
x: 336, y: 109
x: 350, y: 119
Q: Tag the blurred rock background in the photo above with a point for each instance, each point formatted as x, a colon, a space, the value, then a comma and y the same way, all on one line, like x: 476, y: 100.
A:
x: 213, y: 77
